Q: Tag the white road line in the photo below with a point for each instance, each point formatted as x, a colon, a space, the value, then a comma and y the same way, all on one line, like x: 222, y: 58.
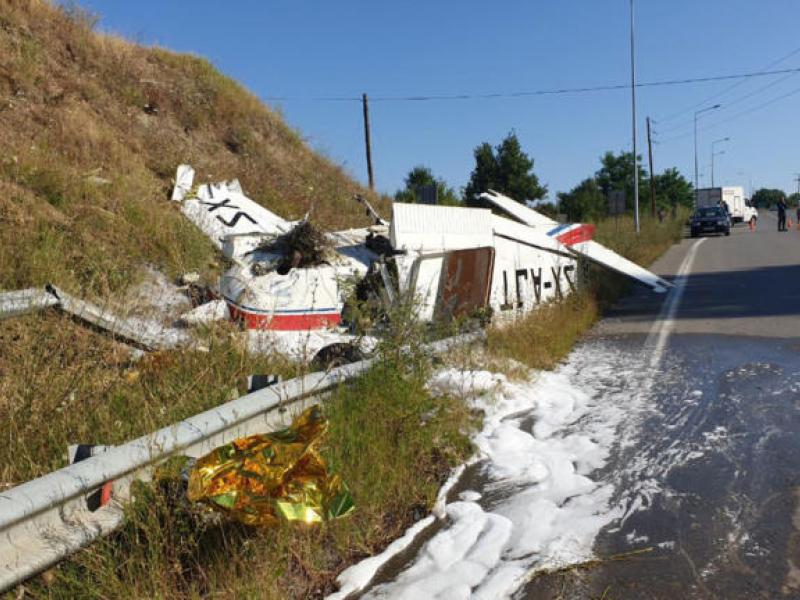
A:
x: 664, y: 324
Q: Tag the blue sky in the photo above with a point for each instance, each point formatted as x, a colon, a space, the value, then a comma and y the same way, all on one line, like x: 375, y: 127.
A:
x: 305, y: 50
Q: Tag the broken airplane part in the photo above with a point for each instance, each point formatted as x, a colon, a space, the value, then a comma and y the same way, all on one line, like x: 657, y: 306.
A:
x: 578, y: 237
x: 452, y: 260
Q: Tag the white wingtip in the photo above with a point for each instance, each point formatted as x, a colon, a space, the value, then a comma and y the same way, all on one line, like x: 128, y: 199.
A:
x: 184, y: 177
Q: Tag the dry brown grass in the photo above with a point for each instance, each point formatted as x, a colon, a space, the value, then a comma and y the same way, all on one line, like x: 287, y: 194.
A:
x: 76, y: 105
x: 62, y: 383
x: 543, y: 338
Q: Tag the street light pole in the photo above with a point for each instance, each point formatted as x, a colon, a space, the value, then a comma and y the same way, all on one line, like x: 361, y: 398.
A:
x: 697, y: 112
x: 713, y: 154
x: 714, y: 143
x: 633, y: 121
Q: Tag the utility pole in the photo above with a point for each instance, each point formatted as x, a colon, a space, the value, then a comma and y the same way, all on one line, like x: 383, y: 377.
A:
x: 652, y: 179
x: 367, y: 142
x: 797, y: 179
x: 633, y: 121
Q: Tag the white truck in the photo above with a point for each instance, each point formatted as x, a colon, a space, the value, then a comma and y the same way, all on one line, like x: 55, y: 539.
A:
x: 733, y: 196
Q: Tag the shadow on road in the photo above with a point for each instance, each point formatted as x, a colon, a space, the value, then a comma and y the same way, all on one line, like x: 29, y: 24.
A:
x: 750, y: 293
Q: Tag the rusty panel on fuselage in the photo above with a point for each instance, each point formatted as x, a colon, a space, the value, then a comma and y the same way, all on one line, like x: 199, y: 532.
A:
x: 466, y: 282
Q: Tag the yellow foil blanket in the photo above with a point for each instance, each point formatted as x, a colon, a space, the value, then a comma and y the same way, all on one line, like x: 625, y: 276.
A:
x: 262, y: 478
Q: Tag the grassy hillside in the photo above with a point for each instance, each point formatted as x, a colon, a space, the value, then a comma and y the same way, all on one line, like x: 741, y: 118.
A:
x: 92, y: 128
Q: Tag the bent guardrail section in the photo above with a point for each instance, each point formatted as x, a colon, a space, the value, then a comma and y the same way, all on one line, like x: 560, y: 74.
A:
x: 144, y: 334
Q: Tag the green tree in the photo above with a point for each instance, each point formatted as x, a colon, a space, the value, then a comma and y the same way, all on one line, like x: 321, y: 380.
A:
x: 616, y: 173
x: 421, y: 176
x: 793, y: 199
x: 672, y: 189
x: 505, y: 169
x: 584, y: 202
x: 765, y: 198
x: 547, y: 208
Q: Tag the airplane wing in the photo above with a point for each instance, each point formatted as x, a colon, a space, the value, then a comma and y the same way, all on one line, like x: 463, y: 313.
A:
x: 518, y: 211
x: 221, y: 209
x: 605, y: 257
x: 578, y: 238
x: 506, y: 228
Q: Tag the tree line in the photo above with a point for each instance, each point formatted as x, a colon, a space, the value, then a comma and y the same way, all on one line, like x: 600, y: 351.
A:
x: 507, y: 169
x: 769, y: 197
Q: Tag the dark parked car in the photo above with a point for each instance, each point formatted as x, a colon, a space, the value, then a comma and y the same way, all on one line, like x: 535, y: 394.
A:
x: 711, y: 219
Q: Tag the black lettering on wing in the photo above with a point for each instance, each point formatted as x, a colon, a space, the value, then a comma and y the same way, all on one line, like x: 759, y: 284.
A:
x: 235, y: 219
x: 215, y: 205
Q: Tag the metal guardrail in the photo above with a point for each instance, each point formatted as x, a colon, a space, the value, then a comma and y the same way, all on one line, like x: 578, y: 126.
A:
x: 14, y: 304
x: 44, y: 520
x: 136, y: 333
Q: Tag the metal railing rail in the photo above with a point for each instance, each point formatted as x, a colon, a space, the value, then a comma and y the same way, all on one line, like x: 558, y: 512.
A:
x: 17, y: 303
x: 14, y: 304
x: 46, y: 519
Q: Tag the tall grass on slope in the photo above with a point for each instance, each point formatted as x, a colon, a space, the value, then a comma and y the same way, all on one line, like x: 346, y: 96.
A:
x: 92, y: 128
x: 62, y: 383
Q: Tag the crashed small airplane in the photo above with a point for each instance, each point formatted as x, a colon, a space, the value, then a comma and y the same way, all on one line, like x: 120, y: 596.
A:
x: 452, y: 260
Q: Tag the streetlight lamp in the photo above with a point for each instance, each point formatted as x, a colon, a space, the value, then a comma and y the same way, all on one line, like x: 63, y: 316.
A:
x: 714, y: 143
x: 698, y: 112
x: 633, y: 121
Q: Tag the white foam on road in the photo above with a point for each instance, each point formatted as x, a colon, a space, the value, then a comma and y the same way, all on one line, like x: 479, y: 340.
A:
x: 539, y: 507
x: 359, y: 575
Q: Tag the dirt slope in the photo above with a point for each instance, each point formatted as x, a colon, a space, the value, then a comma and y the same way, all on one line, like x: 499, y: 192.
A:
x: 91, y: 130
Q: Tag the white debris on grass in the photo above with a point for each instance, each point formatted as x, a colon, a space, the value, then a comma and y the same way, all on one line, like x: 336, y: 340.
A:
x: 540, y: 509
x: 156, y: 297
x: 152, y: 308
x: 155, y: 334
x: 215, y: 310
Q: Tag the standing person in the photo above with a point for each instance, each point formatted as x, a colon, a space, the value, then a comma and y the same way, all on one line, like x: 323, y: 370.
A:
x: 798, y: 217
x: 781, y: 215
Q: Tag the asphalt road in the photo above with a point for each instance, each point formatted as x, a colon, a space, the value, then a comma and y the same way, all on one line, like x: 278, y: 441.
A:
x: 712, y: 480
x: 747, y: 284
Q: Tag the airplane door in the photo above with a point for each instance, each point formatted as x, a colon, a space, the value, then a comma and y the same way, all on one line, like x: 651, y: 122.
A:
x: 466, y: 282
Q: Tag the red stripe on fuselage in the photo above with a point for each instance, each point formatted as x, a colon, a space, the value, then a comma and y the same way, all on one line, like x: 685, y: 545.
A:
x: 284, y: 322
x: 583, y: 233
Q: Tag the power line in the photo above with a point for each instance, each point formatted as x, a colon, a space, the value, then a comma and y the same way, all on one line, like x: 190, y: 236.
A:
x: 545, y: 92
x: 726, y: 90
x: 737, y: 115
x: 688, y: 122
